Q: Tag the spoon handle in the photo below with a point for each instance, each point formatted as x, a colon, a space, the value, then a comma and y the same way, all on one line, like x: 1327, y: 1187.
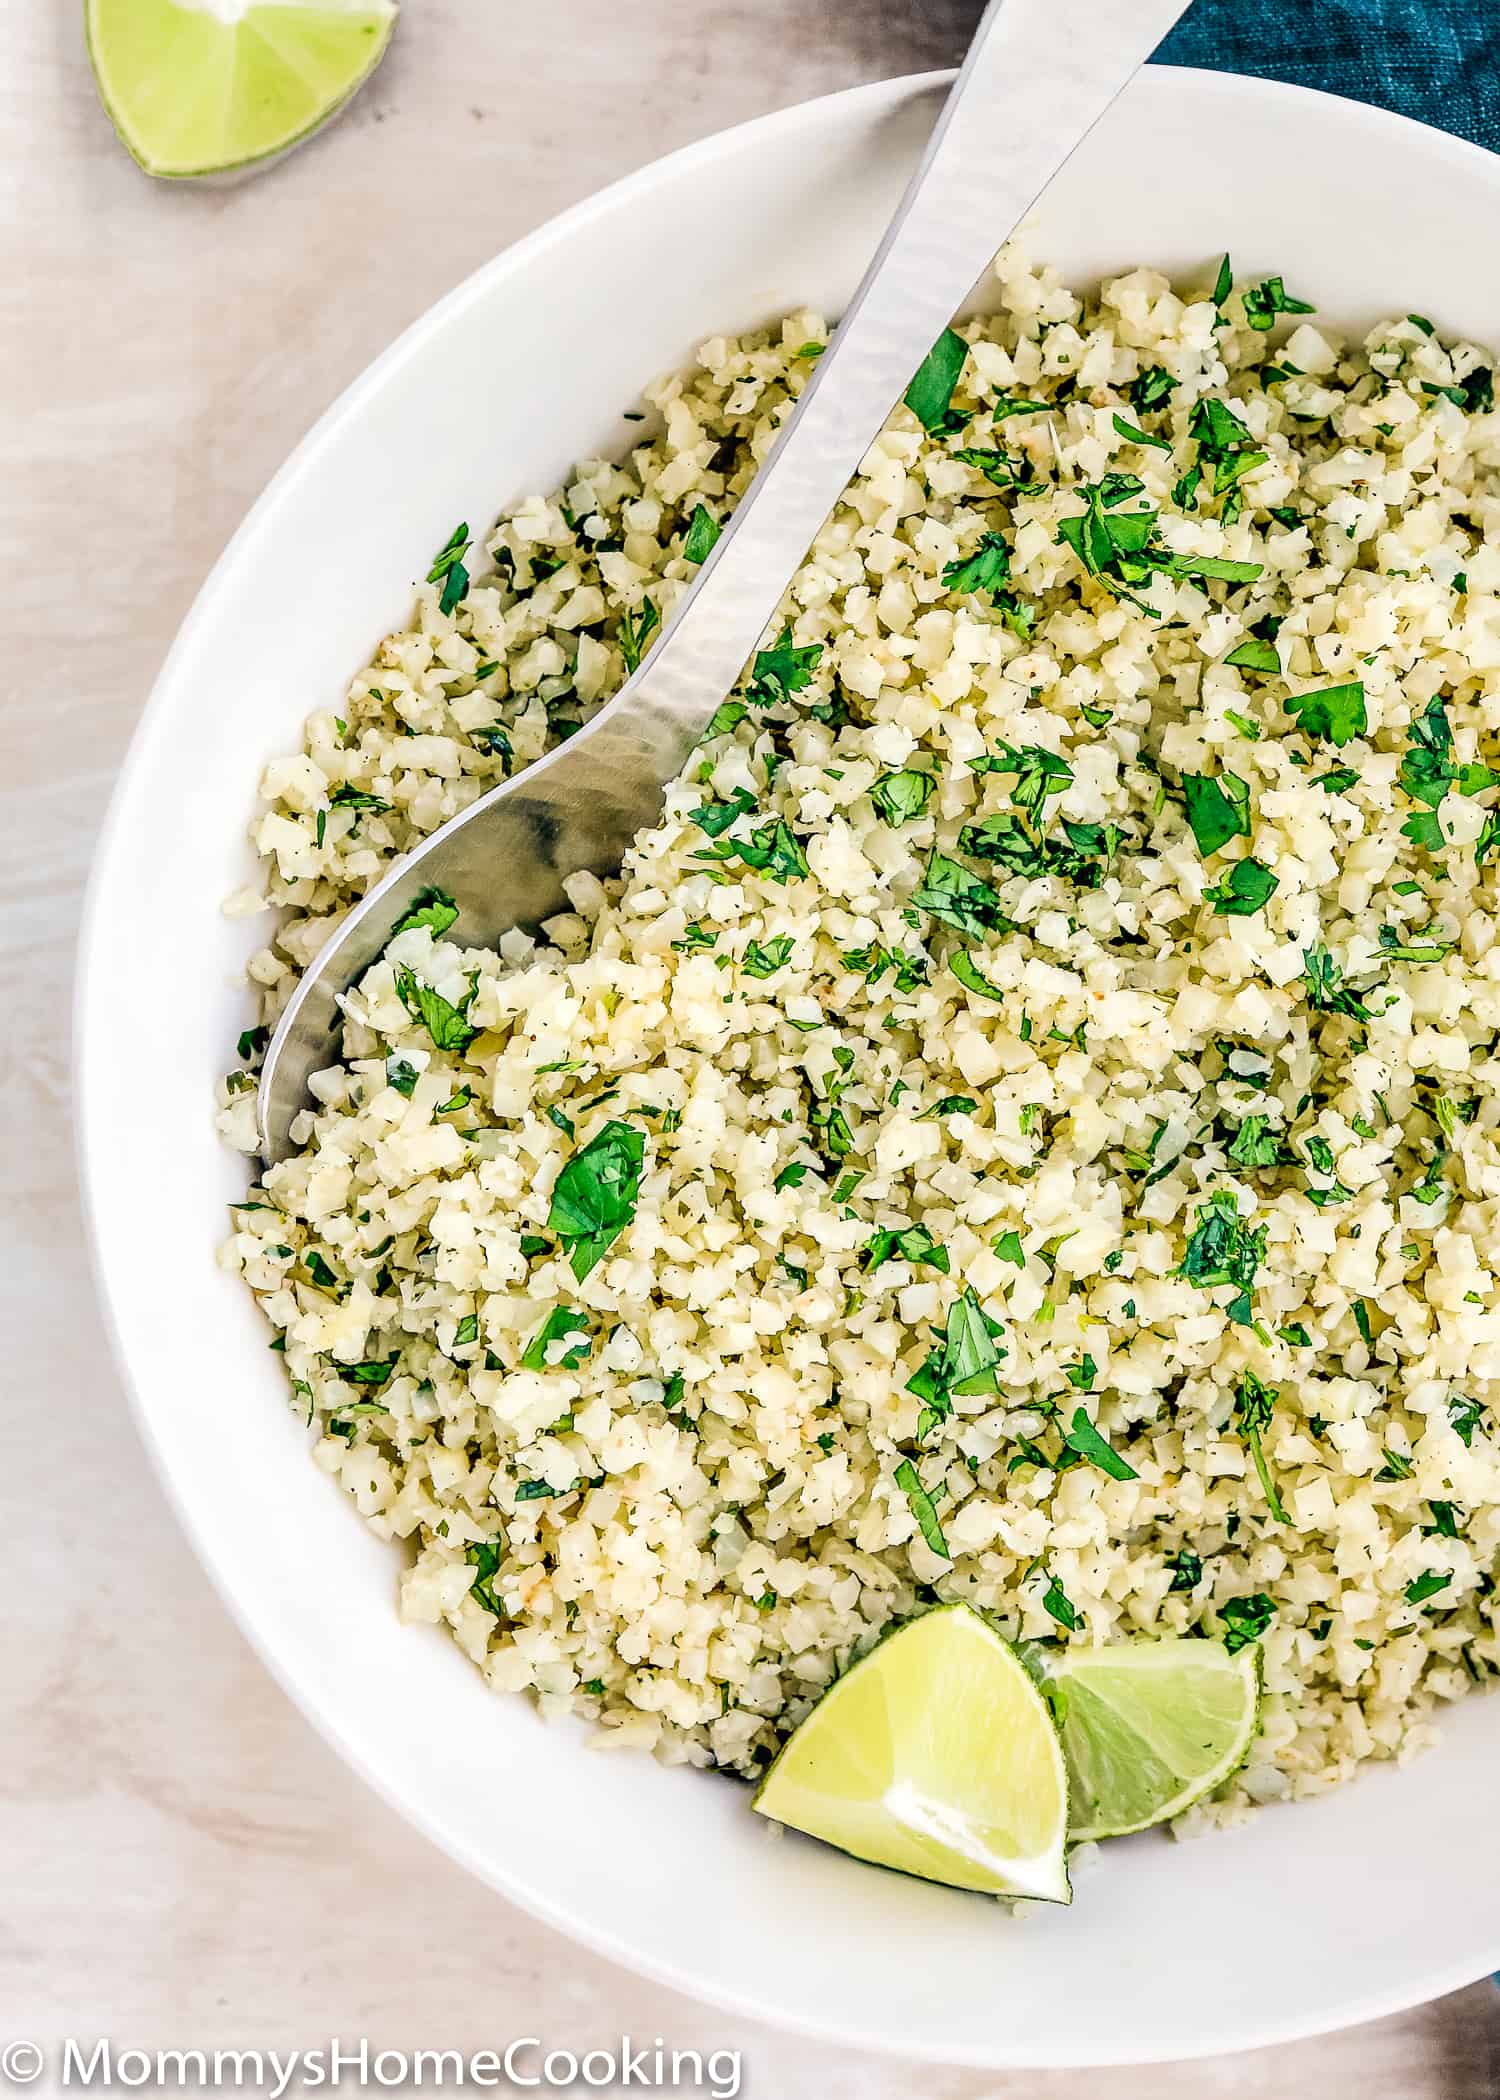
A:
x: 1038, y: 76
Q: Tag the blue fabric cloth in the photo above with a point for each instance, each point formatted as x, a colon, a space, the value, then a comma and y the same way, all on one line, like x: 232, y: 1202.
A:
x: 1437, y: 60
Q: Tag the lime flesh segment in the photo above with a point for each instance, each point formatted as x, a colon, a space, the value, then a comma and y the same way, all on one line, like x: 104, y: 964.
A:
x: 936, y: 1755
x: 1149, y: 1727
x: 191, y: 93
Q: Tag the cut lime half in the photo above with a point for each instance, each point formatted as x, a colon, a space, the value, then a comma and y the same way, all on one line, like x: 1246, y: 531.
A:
x: 203, y: 88
x: 936, y: 1755
x: 1149, y: 1727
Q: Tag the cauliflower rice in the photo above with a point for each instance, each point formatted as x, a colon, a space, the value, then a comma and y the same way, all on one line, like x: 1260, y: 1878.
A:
x: 1023, y: 1129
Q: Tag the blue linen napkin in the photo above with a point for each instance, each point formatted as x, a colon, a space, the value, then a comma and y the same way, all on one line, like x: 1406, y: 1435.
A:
x: 1436, y: 60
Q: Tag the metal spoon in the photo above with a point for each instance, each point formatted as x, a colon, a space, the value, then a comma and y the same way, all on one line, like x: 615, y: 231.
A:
x: 1038, y: 76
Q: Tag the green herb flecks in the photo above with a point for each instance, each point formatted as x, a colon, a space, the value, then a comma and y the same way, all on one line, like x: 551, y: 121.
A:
x: 1325, y: 989
x: 1255, y: 1144
x: 1255, y: 654
x: 1225, y: 443
x: 448, y: 569
x: 1122, y: 549
x: 1136, y: 436
x: 1057, y: 1604
x: 401, y: 1075
x: 1264, y: 302
x: 1150, y: 389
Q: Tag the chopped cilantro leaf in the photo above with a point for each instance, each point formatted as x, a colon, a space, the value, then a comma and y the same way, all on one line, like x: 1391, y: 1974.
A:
x: 1253, y: 1407
x: 1334, y: 712
x: 1057, y: 1605
x: 1255, y: 1144
x: 782, y: 670
x: 931, y: 390
x: 908, y: 1243
x: 1263, y: 302
x: 561, y: 1322
x: 1082, y: 1436
x: 1244, y: 890
x: 1465, y: 1416
x: 971, y: 977
x: 635, y: 630
x: 961, y: 900
x: 1136, y: 436
x: 1150, y: 389
x: 484, y: 1558
x: 986, y: 569
x: 401, y: 1075
x: 901, y: 797
x: 448, y: 569
x: 594, y: 1197
x: 766, y: 961
x: 1221, y: 1249
x: 1218, y: 809
x: 1187, y: 1569
x: 432, y: 908
x: 921, y: 1505
x: 1255, y: 655
x: 702, y: 534
x: 1246, y: 1619
x: 444, y: 1022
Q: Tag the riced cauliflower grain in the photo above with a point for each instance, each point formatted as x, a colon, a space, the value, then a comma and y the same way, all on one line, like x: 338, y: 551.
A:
x: 1023, y: 1128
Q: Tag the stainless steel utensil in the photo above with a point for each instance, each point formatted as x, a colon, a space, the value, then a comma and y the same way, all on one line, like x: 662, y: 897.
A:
x: 1038, y: 76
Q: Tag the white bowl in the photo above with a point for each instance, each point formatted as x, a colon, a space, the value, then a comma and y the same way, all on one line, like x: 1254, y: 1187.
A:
x: 1383, y: 1894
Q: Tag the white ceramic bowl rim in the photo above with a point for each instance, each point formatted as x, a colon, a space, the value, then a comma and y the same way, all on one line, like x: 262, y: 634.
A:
x: 112, y: 1175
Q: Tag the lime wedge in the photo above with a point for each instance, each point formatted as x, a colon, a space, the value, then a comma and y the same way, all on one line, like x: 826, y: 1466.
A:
x: 936, y: 1755
x: 1149, y: 1727
x: 200, y: 89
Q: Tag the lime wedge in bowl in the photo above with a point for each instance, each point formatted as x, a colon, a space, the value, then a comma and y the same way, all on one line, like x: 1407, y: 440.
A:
x: 205, y: 88
x: 935, y: 1754
x: 1150, y: 1727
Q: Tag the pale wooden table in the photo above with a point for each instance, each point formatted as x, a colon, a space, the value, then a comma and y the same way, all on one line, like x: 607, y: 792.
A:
x: 184, y: 1862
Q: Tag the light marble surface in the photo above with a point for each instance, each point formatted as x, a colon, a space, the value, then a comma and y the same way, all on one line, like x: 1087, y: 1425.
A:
x: 184, y: 1861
